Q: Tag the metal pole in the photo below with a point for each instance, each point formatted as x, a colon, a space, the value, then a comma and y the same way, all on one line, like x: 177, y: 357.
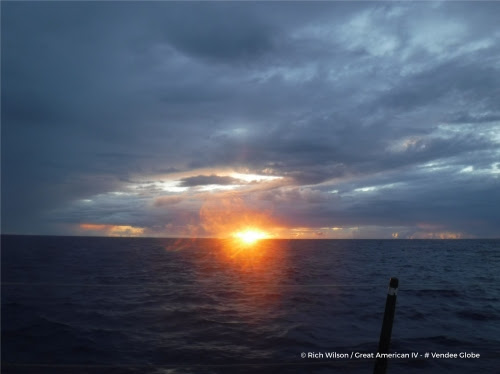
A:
x: 385, y: 334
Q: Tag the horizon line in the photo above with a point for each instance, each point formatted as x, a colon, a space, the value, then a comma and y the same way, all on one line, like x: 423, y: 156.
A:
x: 226, y: 238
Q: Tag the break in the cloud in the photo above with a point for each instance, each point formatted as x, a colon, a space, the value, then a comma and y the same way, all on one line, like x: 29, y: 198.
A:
x: 336, y: 119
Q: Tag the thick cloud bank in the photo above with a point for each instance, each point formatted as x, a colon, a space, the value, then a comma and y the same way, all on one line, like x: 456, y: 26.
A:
x: 364, y: 120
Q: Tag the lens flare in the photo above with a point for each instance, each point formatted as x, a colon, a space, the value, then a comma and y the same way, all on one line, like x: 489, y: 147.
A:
x: 228, y: 216
x: 250, y: 236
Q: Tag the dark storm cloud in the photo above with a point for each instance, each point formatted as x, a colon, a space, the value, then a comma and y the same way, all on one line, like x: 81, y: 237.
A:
x: 100, y: 98
x: 205, y: 180
x: 217, y: 32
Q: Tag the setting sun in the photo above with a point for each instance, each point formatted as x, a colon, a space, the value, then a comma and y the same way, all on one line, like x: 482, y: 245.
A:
x: 251, y: 236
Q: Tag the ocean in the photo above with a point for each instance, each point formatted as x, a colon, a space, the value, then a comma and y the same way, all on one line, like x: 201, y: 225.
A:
x: 171, y: 306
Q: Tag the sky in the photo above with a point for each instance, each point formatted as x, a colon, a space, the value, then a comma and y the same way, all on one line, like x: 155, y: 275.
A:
x: 305, y: 120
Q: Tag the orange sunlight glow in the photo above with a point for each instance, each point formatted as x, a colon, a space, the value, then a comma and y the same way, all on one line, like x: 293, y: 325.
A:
x: 250, y: 236
x: 228, y: 216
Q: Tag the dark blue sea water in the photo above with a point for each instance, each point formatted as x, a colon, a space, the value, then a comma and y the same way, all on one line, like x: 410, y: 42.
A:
x: 136, y: 305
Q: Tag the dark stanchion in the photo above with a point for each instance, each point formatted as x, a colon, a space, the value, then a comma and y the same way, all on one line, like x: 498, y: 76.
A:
x: 385, y: 334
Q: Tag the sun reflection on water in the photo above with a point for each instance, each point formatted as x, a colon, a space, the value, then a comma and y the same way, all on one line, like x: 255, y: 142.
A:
x: 243, y: 280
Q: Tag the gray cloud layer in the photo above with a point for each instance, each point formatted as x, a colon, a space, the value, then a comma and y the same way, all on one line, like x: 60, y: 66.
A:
x: 374, y: 114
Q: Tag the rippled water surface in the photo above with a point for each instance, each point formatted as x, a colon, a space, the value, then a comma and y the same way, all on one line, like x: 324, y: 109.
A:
x: 135, y: 305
